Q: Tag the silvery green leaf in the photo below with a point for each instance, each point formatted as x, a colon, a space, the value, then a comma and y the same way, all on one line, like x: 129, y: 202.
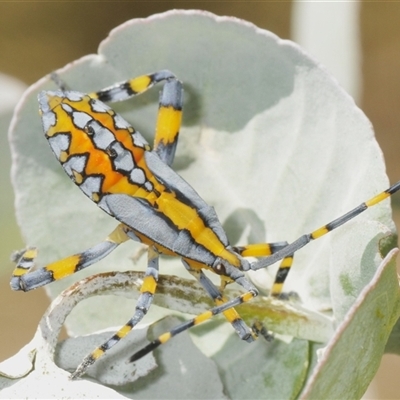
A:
x: 268, y: 138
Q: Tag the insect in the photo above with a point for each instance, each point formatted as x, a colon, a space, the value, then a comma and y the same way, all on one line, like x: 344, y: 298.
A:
x: 117, y: 169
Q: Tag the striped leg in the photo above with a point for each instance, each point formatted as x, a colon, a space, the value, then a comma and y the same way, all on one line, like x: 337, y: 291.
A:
x: 265, y: 250
x: 323, y: 230
x: 207, y: 315
x: 231, y: 314
x: 169, y: 120
x: 143, y: 304
x: 232, y: 274
x: 125, y: 90
x: 25, y: 279
x: 170, y: 107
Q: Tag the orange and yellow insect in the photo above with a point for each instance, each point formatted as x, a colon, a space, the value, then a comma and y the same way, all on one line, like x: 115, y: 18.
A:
x: 134, y: 183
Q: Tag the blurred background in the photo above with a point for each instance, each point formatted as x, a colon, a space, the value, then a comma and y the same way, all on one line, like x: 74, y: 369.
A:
x: 359, y: 43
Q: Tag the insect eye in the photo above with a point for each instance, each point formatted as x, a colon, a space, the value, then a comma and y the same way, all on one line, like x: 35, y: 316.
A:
x: 220, y: 269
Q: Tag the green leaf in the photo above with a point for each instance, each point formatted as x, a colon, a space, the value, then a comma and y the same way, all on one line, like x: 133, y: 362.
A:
x: 358, y: 344
x: 264, y: 375
x: 268, y: 138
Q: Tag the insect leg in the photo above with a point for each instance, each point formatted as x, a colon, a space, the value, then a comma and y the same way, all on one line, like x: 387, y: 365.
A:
x: 193, y: 322
x: 143, y: 304
x: 323, y: 230
x: 169, y: 112
x: 125, y: 90
x: 168, y: 120
x: 230, y: 274
x: 259, y: 249
x: 264, y: 250
x: 25, y: 279
x: 231, y: 315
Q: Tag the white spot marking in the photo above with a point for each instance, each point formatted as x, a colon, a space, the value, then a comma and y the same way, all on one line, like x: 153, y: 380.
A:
x: 91, y: 185
x: 139, y: 140
x: 102, y: 137
x: 59, y: 143
x: 81, y: 119
x: 75, y: 163
x: 48, y: 120
x: 149, y: 186
x: 67, y: 108
x: 74, y: 96
x: 137, y: 176
x: 120, y: 123
x: 124, y: 160
x: 43, y: 98
x: 99, y: 106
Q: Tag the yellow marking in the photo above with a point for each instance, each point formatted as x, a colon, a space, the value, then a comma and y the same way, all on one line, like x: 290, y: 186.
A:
x: 30, y: 253
x: 19, y: 271
x: 62, y: 268
x: 286, y: 262
x: 247, y: 297
x: 377, y: 199
x: 231, y: 314
x: 202, y: 317
x: 165, y: 337
x: 186, y: 217
x: 276, y: 288
x: 319, y: 232
x: 257, y: 250
x: 93, y: 95
x: 124, y: 331
x: 220, y: 300
x: 96, y: 197
x: 63, y: 156
x: 140, y: 84
x: 149, y: 285
x: 196, y: 265
x: 168, y: 124
x: 97, y: 353
x: 78, y: 178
